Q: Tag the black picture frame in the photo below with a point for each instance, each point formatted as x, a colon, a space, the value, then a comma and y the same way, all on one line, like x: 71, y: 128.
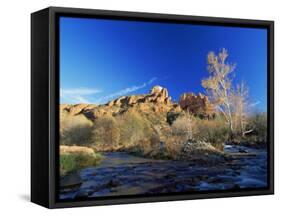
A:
x: 45, y: 101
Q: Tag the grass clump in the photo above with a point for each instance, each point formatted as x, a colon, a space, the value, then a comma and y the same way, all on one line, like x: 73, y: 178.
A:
x: 75, y: 159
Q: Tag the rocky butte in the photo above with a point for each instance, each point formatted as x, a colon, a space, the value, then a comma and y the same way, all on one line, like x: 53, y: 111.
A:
x: 198, y: 105
x: 157, y: 101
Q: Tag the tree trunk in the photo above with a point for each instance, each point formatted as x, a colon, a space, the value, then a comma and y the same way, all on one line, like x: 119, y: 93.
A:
x: 231, y: 133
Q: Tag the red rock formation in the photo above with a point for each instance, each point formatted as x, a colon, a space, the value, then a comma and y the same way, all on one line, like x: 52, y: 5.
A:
x: 197, y: 104
x: 157, y: 101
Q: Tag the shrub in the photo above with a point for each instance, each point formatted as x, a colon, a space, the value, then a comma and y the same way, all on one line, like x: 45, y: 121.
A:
x: 173, y: 147
x: 258, y: 123
x: 67, y: 163
x: 180, y: 131
x: 133, y: 128
x: 214, y: 131
x: 172, y: 116
x: 106, y: 132
x: 148, y: 146
x: 75, y: 130
x: 183, y: 126
x: 70, y: 162
x: 137, y: 134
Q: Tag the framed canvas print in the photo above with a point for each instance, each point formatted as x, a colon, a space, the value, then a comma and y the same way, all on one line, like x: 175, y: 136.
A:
x: 139, y: 107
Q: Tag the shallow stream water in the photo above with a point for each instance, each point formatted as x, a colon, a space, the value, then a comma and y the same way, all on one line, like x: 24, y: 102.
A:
x: 123, y: 174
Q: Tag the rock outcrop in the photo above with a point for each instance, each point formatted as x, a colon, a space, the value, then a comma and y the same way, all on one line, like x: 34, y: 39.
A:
x: 77, y: 108
x: 157, y: 94
x: 156, y: 102
x: 198, y: 105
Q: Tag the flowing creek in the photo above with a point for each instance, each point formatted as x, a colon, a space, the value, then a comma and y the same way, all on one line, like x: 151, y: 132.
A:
x: 123, y: 174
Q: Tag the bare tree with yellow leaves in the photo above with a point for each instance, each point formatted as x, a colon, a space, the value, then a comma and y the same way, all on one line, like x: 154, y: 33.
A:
x: 241, y: 108
x: 218, y: 85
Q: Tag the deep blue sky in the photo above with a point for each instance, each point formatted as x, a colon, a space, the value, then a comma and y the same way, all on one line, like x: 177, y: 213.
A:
x: 103, y: 59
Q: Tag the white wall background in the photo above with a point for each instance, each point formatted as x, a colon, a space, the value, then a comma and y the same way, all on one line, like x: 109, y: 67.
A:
x: 15, y: 106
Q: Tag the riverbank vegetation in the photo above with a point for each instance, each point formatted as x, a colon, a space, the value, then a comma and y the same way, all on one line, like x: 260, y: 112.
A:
x: 133, y: 133
x: 74, y: 158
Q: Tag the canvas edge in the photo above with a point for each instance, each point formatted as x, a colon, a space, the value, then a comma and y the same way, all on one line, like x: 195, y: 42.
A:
x: 39, y: 108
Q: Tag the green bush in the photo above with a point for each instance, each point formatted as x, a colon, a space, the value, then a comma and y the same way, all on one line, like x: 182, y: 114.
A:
x: 70, y: 162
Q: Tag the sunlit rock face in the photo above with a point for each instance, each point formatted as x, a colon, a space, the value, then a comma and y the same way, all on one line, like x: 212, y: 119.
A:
x: 157, y: 100
x: 77, y: 108
x: 156, y: 95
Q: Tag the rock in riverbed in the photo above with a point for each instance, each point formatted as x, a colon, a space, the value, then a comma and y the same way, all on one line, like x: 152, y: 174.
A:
x: 71, y: 180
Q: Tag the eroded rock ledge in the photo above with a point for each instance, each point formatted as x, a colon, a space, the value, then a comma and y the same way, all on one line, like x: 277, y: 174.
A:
x: 156, y: 101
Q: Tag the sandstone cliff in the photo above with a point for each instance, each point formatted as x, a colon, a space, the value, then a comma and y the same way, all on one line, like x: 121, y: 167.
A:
x: 156, y: 105
x: 198, y: 105
x: 156, y: 101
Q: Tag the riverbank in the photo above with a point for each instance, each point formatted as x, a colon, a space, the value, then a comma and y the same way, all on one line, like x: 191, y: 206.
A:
x: 190, y: 150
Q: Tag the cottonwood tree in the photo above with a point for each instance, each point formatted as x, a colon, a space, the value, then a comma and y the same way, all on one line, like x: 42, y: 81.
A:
x: 218, y: 84
x: 241, y: 108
